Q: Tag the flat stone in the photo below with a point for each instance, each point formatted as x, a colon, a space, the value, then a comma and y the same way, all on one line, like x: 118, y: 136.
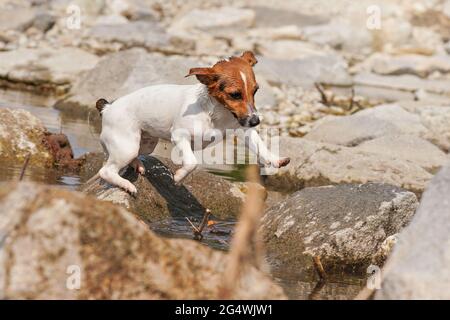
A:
x: 414, y: 64
x: 409, y: 148
x: 318, y: 164
x: 428, y: 122
x: 402, y: 82
x: 274, y: 17
x: 379, y: 95
x: 213, y: 20
x: 366, y: 125
x: 342, y: 35
x: 289, y: 49
x: 44, y: 69
x: 144, y: 34
x: 304, y: 72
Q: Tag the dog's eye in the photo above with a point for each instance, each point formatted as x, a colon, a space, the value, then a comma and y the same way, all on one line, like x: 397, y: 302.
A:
x: 256, y: 89
x: 236, y: 95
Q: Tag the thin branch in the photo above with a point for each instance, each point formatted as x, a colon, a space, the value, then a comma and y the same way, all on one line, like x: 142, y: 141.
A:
x: 204, y: 221
x: 314, y: 295
x: 323, y: 95
x: 192, y: 225
x: 198, y: 231
x: 246, y: 236
x: 24, y: 167
x: 352, y: 99
x: 319, y: 268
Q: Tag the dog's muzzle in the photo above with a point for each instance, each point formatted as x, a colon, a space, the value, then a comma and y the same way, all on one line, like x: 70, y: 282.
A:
x: 250, y: 121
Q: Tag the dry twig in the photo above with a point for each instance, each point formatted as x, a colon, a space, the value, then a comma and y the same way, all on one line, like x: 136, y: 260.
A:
x: 323, y: 95
x: 24, y: 167
x: 246, y: 236
x: 319, y: 268
x: 198, y: 231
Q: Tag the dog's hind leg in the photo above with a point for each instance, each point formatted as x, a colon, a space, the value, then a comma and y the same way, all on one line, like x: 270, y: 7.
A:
x: 148, y: 144
x: 120, y: 155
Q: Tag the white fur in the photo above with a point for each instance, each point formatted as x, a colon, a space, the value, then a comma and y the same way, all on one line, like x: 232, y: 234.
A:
x: 133, y: 124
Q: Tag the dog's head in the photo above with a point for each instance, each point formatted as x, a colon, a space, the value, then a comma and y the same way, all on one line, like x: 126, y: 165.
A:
x: 232, y: 83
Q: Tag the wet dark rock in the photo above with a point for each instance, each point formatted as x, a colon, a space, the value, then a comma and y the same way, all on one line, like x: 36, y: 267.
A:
x: 115, y: 254
x: 418, y: 266
x: 348, y: 226
x: 158, y: 197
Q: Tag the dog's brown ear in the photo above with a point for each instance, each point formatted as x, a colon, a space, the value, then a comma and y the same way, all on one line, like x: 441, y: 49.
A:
x: 249, y: 57
x: 205, y: 75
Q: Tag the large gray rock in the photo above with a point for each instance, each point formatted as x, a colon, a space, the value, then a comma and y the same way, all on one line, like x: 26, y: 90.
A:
x: 345, y: 225
x: 329, y: 69
x: 158, y: 197
x: 50, y: 236
x: 44, y: 69
x: 318, y: 164
x: 123, y: 72
x: 418, y: 266
x: 385, y: 120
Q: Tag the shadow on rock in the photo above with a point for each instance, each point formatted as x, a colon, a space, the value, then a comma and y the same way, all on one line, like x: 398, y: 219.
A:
x: 158, y: 197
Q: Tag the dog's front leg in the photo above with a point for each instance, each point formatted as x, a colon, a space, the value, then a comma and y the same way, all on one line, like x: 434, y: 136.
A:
x: 183, y: 143
x: 259, y: 148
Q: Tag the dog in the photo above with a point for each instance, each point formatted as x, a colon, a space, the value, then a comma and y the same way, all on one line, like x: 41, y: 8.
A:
x: 223, y: 99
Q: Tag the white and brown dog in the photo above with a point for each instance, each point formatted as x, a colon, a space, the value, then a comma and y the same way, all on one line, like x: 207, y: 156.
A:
x: 224, y: 99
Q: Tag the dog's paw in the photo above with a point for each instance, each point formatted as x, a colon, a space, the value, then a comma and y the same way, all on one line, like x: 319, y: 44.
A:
x: 138, y: 166
x: 281, y: 162
x: 131, y: 189
x: 178, y: 177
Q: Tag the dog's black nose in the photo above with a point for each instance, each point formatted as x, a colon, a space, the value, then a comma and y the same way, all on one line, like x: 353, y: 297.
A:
x: 254, y: 120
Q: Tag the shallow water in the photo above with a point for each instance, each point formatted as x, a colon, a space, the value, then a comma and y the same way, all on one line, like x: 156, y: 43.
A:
x: 83, y: 136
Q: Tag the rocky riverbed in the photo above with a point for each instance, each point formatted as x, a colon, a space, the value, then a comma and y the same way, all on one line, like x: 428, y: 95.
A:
x: 362, y: 108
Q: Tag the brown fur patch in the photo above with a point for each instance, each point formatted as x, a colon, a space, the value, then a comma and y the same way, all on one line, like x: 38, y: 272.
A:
x: 226, y: 84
